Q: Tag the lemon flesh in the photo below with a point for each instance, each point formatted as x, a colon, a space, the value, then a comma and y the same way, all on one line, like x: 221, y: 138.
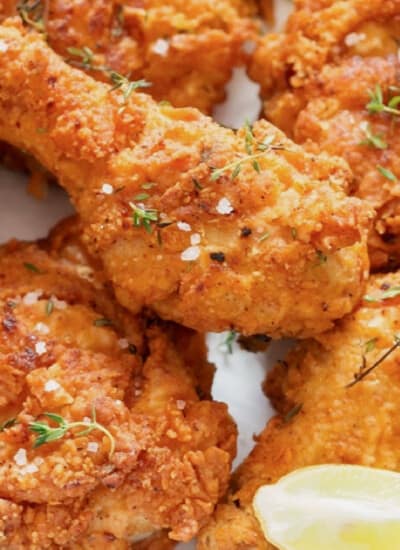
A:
x: 332, y: 507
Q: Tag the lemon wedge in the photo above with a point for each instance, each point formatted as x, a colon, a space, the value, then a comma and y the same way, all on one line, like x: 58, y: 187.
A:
x: 332, y: 507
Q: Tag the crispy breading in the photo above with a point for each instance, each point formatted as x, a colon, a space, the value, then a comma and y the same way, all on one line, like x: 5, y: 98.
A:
x: 67, y: 348
x: 185, y: 49
x: 320, y: 419
x: 332, y: 56
x: 274, y: 246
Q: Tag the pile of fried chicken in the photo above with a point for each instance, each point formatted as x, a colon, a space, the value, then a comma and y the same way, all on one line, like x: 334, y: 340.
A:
x: 109, y: 437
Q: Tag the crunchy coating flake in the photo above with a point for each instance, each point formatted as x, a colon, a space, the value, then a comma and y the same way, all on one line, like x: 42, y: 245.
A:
x: 302, y: 266
x: 172, y: 450
x: 186, y: 49
x: 335, y: 424
x: 317, y: 78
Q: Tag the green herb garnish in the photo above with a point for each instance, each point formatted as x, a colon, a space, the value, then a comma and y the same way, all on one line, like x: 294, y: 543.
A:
x: 31, y: 13
x: 31, y: 267
x: 143, y: 217
x: 229, y: 340
x: 126, y: 86
x: 388, y: 174
x: 373, y: 140
x: 392, y: 292
x: 377, y: 104
x: 47, y: 434
x: 292, y: 413
x: 8, y: 424
x: 103, y: 322
x: 365, y: 371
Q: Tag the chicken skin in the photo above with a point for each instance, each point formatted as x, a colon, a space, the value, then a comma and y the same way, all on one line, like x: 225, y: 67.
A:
x: 104, y: 439
x: 213, y: 229
x: 343, y: 67
x: 325, y: 414
x: 185, y: 49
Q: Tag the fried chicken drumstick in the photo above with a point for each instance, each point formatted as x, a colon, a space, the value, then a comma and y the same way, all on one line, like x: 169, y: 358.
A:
x: 325, y: 415
x: 213, y: 229
x: 104, y: 439
x: 185, y: 49
x: 331, y: 81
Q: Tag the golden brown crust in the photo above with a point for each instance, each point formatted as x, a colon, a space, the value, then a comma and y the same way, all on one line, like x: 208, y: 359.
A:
x: 321, y: 99
x: 173, y: 451
x: 335, y: 423
x: 186, y: 50
x: 308, y: 272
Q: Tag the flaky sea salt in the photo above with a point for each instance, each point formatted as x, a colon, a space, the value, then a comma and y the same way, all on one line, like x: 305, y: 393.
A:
x: 123, y: 343
x: 42, y: 327
x: 51, y: 385
x: 20, y: 457
x: 32, y: 297
x: 183, y: 226
x: 190, y: 254
x: 40, y: 348
x: 3, y: 46
x: 58, y: 304
x: 195, y: 239
x: 29, y: 469
x: 181, y: 404
x: 353, y: 38
x: 107, y: 189
x: 92, y: 447
x: 160, y: 46
x: 224, y: 206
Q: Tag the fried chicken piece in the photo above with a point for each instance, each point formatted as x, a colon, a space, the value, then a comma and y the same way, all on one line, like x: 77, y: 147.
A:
x: 185, y: 49
x: 320, y: 32
x: 213, y: 229
x: 321, y: 419
x: 67, y: 348
x: 324, y: 107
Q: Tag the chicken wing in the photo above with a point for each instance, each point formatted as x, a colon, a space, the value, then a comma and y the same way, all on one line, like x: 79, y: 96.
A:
x: 337, y: 399
x: 213, y: 229
x: 104, y: 439
x: 344, y: 70
x: 185, y: 49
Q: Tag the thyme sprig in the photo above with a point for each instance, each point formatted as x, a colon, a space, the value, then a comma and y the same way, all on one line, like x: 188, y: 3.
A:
x: 46, y: 434
x: 377, y: 104
x: 126, y: 86
x: 85, y: 55
x: 373, y: 140
x: 32, y: 13
x: 8, y: 424
x: 392, y: 292
x: 364, y: 370
x: 142, y: 216
x: 229, y: 341
x: 254, y: 149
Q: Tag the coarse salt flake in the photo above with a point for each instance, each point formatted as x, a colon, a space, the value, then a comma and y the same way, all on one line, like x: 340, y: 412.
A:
x: 183, y: 226
x: 123, y: 343
x: 190, y: 254
x: 29, y: 469
x: 20, y: 457
x: 353, y: 38
x: 160, y: 46
x: 58, y: 304
x: 40, y: 348
x: 107, y: 189
x: 224, y: 206
x: 51, y: 385
x: 42, y: 327
x: 32, y: 297
x: 87, y: 420
x: 3, y: 46
x: 195, y: 239
x: 181, y: 404
x: 92, y: 447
